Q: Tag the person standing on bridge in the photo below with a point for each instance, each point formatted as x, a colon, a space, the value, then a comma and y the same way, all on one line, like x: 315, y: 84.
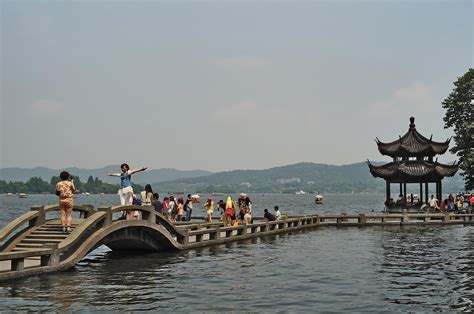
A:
x: 126, y: 191
x: 147, y: 195
x: 209, y: 206
x: 65, y: 189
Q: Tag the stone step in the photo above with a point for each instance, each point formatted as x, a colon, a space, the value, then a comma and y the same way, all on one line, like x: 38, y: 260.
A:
x: 29, y: 245
x: 48, y: 224
x: 47, y: 236
x: 22, y: 249
x: 48, y: 232
x: 29, y: 241
x: 51, y: 229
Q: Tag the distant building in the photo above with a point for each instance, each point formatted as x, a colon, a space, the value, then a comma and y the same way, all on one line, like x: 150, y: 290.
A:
x: 289, y: 180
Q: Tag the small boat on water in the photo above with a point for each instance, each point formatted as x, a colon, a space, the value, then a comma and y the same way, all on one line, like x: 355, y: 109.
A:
x: 319, y: 199
x: 22, y: 195
x: 301, y: 192
x: 217, y: 194
x: 9, y: 194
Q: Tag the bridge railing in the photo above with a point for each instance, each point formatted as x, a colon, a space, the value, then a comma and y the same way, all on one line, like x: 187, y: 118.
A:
x: 36, y: 217
x: 49, y: 257
x: 83, y: 210
x: 149, y: 214
x: 206, y: 233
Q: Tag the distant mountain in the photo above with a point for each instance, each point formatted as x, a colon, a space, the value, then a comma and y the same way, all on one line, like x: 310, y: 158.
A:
x: 149, y: 176
x: 309, y: 177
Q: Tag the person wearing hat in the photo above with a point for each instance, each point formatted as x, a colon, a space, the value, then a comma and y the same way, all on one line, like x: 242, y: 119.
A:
x: 209, y: 205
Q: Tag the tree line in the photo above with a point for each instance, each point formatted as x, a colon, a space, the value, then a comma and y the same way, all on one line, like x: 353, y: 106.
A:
x: 38, y: 185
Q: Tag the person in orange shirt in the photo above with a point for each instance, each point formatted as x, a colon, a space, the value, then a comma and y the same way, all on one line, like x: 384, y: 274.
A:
x: 65, y: 189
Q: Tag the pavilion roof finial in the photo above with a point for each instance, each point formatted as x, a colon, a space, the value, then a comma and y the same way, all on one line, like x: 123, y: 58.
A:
x: 412, y: 122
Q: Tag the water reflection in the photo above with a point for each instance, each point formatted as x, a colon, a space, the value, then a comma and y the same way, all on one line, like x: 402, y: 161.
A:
x: 428, y: 266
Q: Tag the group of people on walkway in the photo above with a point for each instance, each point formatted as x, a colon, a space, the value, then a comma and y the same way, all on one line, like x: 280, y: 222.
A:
x: 452, y: 203
x: 178, y: 209
x: 175, y: 209
x: 272, y: 217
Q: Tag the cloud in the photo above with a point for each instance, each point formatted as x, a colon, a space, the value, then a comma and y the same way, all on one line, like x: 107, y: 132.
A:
x: 416, y: 97
x: 266, y: 119
x: 239, y: 62
x: 46, y: 107
x: 231, y: 115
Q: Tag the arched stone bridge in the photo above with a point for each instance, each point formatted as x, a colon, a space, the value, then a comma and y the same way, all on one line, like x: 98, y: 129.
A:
x: 34, y: 243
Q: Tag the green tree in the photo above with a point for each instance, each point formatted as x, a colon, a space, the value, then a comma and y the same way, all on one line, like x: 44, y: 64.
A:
x: 37, y: 185
x: 459, y: 107
x: 90, y: 186
x: 54, y: 180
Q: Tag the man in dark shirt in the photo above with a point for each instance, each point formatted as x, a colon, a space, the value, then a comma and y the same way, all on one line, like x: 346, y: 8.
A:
x: 221, y: 207
x: 269, y: 216
x: 157, y: 204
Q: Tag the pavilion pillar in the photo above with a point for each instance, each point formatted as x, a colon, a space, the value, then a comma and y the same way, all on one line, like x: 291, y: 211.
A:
x: 421, y: 192
x: 405, y: 191
x: 387, y: 191
x: 440, y: 191
x: 437, y: 191
x: 426, y: 192
x: 401, y: 192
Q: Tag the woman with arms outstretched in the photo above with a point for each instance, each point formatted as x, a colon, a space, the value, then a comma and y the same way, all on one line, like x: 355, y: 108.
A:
x: 126, y: 191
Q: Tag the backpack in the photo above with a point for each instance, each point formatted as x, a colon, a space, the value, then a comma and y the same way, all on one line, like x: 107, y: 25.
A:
x: 136, y: 201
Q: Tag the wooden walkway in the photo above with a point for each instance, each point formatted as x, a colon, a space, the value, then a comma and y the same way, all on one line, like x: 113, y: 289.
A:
x: 34, y: 243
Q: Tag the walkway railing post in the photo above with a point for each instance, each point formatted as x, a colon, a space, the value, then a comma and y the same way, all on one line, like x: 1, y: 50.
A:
x: 216, y: 235
x: 446, y: 217
x: 53, y: 259
x: 152, y: 216
x: 108, y: 216
x: 362, y: 219
x: 185, y: 239
x: 41, y: 216
x: 88, y: 213
x: 17, y: 264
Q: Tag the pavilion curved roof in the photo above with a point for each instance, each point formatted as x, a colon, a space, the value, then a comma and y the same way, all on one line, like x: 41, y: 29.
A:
x: 413, y: 171
x: 413, y: 144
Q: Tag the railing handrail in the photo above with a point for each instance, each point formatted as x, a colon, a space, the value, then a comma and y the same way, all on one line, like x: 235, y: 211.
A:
x: 5, y: 256
x: 76, y: 234
x: 146, y: 208
x: 81, y: 208
x: 159, y: 219
x: 18, y: 222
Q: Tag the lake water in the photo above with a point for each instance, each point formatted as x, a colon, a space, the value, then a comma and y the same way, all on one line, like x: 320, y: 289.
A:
x: 370, y: 269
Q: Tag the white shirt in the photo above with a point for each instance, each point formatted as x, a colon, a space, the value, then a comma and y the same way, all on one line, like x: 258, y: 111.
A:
x: 278, y: 215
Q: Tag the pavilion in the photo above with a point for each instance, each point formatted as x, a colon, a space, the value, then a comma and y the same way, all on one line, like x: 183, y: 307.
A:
x: 413, y: 163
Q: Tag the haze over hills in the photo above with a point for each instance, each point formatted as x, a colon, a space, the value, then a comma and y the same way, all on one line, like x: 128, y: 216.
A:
x: 306, y: 176
x: 151, y: 175
x: 309, y: 177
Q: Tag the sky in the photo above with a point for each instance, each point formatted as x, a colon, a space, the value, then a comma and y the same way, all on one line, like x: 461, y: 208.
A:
x: 224, y: 85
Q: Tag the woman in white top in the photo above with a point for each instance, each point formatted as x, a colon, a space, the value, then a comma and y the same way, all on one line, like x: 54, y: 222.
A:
x: 147, y: 195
